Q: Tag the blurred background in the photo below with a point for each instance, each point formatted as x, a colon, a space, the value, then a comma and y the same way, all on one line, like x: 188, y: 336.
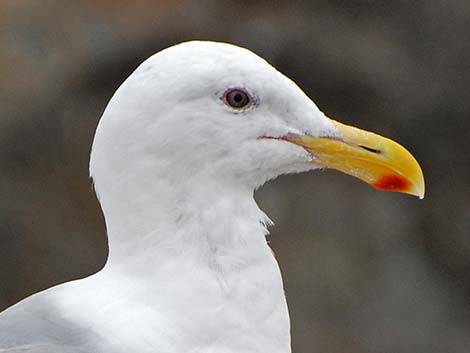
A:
x: 364, y: 271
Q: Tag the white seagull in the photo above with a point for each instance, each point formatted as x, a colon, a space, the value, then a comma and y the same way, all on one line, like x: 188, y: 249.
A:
x: 177, y: 154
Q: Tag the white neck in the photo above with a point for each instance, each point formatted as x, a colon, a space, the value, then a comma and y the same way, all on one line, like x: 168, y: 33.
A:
x: 204, y: 255
x: 203, y: 222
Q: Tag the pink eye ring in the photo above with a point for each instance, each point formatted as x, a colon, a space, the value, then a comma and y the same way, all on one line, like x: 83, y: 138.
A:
x: 237, y: 98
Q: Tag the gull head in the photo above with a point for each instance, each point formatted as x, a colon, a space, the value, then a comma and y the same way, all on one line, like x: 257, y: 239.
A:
x: 217, y: 113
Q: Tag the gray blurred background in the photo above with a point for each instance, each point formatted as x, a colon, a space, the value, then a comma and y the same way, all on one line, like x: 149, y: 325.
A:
x: 364, y: 271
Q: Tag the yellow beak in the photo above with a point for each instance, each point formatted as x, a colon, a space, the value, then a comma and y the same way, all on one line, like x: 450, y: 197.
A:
x: 377, y: 160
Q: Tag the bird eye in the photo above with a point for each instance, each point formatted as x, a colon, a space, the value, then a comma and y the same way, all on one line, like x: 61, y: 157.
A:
x: 237, y: 98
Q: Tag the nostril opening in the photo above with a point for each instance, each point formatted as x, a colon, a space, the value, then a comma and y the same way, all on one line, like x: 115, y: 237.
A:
x: 373, y: 150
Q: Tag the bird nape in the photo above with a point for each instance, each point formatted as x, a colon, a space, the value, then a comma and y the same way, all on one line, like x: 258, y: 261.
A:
x: 177, y: 155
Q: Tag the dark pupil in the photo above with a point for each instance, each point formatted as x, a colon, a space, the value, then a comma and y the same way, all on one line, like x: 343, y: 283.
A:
x: 238, y: 99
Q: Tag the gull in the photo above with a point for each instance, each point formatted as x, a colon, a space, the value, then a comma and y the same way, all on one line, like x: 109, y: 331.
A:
x: 177, y: 155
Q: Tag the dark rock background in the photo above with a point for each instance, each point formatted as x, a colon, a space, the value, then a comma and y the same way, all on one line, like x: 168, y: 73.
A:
x: 364, y: 271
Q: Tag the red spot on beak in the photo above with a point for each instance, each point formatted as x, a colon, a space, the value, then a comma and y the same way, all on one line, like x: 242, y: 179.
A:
x: 392, y: 183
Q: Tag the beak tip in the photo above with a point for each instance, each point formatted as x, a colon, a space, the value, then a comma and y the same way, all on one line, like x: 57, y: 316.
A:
x: 420, y: 190
x: 402, y: 184
x: 417, y: 188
